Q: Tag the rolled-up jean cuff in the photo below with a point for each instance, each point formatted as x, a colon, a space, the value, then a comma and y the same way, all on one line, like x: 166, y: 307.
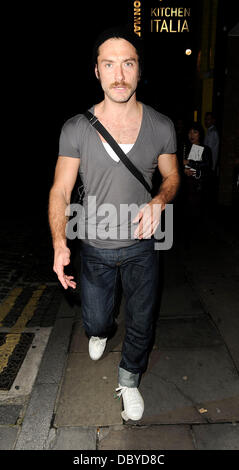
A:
x: 128, y: 379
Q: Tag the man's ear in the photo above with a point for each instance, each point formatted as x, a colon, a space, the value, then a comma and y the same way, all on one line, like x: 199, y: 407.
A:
x: 97, y: 72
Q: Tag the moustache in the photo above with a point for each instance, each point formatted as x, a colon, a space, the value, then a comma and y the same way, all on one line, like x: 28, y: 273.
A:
x: 119, y: 84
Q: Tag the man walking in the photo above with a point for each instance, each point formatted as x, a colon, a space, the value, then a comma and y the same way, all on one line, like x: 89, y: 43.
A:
x: 148, y: 138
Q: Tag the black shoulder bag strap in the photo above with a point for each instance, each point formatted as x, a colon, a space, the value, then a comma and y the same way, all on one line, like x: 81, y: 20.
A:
x: 101, y: 129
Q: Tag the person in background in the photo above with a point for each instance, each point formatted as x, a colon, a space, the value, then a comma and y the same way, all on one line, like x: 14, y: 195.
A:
x: 181, y: 134
x: 196, y: 174
x: 212, y: 138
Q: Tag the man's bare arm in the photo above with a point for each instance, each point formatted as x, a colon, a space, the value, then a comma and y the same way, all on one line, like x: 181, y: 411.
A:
x: 59, y: 198
x: 168, y: 167
x: 148, y: 217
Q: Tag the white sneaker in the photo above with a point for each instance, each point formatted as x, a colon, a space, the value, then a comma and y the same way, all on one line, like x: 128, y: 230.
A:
x: 133, y: 403
x: 96, y: 347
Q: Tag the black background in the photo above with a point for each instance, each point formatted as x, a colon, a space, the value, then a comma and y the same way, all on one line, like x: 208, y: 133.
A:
x: 48, y: 77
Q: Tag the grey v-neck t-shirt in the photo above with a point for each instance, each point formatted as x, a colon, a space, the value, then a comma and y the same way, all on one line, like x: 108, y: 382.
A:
x: 113, y: 196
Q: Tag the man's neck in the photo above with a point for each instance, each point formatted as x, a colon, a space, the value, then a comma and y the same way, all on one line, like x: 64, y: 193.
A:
x: 118, y: 111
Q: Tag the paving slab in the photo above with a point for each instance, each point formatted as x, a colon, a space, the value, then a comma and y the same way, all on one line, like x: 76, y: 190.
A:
x: 224, y: 410
x: 38, y: 417
x: 72, y: 438
x: 146, y: 438
x: 179, y: 383
x: 9, y: 414
x: 220, y: 296
x: 52, y: 364
x: 8, y: 435
x: 196, y: 332
x: 87, y: 394
x: 217, y: 436
x: 216, y: 283
x: 179, y: 300
x: 79, y: 340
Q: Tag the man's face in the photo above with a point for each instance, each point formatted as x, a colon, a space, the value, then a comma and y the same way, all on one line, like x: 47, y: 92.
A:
x: 209, y: 121
x: 118, y: 69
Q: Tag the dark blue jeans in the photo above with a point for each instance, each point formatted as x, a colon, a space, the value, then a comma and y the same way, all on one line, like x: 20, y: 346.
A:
x: 138, y: 265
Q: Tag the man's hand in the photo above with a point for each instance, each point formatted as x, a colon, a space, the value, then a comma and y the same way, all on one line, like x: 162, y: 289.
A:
x: 61, y: 259
x: 148, y: 218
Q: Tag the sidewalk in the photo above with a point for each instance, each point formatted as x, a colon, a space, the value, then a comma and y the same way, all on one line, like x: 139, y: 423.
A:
x: 191, y: 386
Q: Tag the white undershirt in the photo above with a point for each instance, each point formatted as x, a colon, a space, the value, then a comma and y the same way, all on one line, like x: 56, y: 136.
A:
x: 125, y: 147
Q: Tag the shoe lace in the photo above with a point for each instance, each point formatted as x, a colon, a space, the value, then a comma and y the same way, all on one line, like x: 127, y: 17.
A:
x: 96, y: 339
x: 120, y: 391
x: 132, y: 393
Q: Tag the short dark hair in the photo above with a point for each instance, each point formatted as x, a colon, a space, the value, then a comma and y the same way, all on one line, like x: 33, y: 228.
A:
x: 119, y: 32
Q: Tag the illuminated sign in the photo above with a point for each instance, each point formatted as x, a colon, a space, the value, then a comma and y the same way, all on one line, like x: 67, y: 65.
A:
x: 161, y: 19
x: 137, y: 18
x: 170, y: 20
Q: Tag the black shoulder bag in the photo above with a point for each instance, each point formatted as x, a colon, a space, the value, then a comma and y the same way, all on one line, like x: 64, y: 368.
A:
x: 117, y: 149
